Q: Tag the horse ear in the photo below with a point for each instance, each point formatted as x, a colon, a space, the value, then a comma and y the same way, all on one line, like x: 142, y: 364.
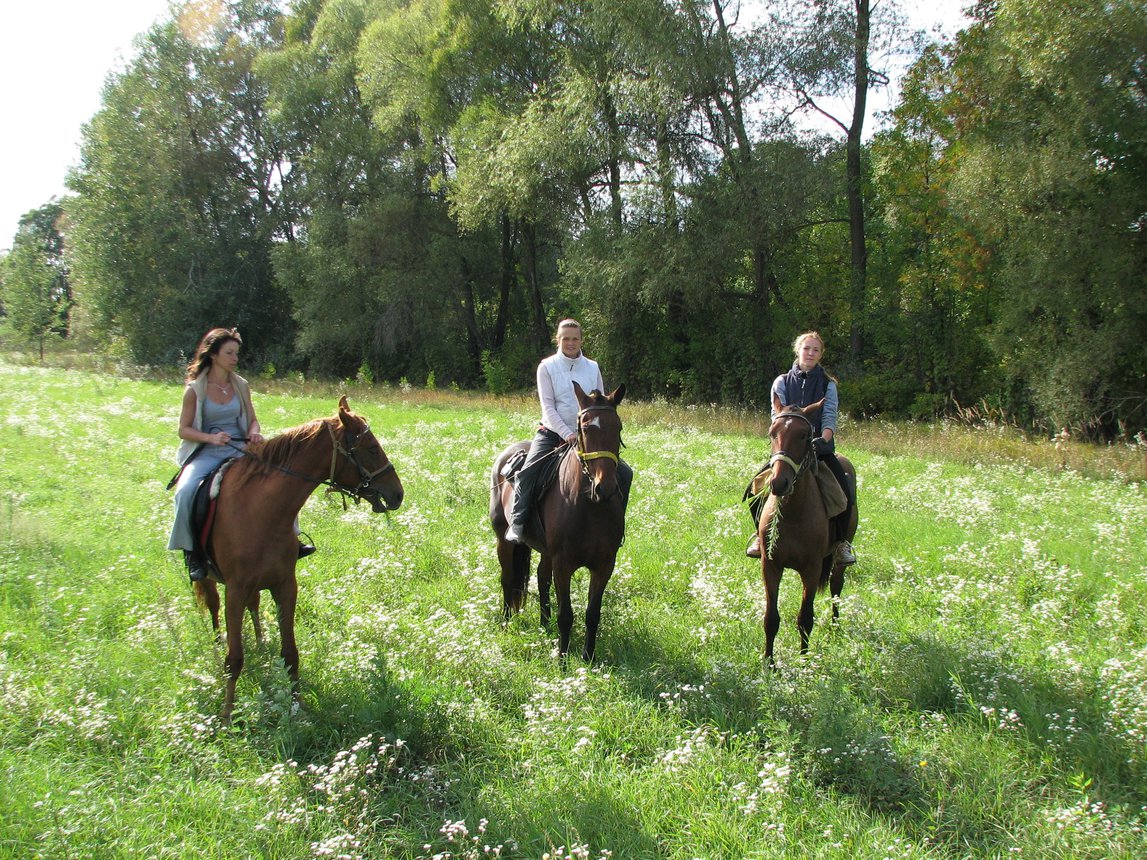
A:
x: 813, y: 407
x: 343, y: 405
x: 618, y: 395
x: 579, y: 394
x: 777, y: 405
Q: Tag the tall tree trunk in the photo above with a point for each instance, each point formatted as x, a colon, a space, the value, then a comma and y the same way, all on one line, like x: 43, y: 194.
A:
x: 615, y: 205
x: 505, y: 287
x: 859, y: 252
x: 665, y: 175
x: 473, y: 339
x: 533, y: 282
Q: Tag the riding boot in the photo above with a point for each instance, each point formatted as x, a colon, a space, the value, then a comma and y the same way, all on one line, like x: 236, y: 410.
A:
x: 306, y: 549
x: 753, y: 550
x: 520, y: 509
x: 196, y: 567
x: 844, y: 552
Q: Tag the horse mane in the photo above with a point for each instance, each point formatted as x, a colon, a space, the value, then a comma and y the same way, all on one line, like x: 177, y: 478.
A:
x: 274, y: 454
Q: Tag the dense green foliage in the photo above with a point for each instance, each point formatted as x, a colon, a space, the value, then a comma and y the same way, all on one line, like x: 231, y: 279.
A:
x: 35, y: 287
x: 984, y: 694
x: 419, y: 189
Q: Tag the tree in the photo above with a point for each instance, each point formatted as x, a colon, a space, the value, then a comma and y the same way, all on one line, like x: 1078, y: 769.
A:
x: 1052, y: 174
x: 379, y: 274
x: 37, y: 290
x: 841, y: 38
x: 177, y: 190
x: 931, y: 301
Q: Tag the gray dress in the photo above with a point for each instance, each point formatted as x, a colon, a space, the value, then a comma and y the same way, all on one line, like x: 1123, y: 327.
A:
x: 216, y: 417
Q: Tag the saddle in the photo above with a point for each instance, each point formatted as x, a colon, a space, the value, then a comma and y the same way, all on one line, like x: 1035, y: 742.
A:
x: 835, y: 501
x: 547, y: 477
x: 203, y: 513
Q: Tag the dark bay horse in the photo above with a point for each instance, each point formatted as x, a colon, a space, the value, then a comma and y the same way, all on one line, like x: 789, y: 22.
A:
x: 253, y: 546
x: 802, y: 538
x: 582, y: 518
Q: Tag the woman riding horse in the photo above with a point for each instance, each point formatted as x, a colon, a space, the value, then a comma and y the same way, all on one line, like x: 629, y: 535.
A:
x: 555, y: 377
x: 215, y: 424
x: 805, y: 384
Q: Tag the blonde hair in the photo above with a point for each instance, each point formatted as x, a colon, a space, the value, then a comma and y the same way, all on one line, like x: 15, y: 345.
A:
x: 568, y: 322
x: 801, y: 338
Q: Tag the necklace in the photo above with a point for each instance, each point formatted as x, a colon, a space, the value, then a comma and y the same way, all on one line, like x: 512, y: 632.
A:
x: 226, y: 389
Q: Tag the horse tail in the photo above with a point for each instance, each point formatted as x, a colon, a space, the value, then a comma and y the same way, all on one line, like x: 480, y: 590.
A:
x: 825, y: 572
x: 200, y: 594
x: 207, y: 596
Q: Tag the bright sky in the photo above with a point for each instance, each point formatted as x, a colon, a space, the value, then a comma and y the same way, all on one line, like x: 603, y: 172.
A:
x: 54, y: 60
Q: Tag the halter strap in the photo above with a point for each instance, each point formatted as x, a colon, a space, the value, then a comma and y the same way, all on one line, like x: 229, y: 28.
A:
x: 586, y: 456
x: 597, y: 455
x: 785, y: 457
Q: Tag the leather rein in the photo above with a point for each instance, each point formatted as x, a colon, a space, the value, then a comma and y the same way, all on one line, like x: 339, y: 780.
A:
x: 333, y: 485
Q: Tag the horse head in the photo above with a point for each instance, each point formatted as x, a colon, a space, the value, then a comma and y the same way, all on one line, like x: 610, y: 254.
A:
x: 791, y: 440
x: 599, y: 439
x: 364, y: 471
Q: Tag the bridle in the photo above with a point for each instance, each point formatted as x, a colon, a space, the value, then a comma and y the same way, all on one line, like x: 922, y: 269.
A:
x: 333, y: 485
x: 784, y: 457
x: 365, y: 477
x: 582, y: 454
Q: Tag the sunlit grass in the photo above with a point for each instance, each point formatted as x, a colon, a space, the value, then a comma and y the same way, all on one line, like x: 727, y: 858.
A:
x: 984, y: 694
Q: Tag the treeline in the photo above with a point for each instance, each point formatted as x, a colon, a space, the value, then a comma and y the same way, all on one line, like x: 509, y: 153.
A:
x: 420, y: 189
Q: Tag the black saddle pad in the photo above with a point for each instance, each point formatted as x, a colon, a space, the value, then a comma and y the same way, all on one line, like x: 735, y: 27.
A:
x: 547, y: 472
x: 203, y: 508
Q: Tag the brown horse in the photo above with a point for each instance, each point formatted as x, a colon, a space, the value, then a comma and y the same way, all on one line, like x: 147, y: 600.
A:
x: 253, y: 546
x: 582, y: 519
x: 802, y: 538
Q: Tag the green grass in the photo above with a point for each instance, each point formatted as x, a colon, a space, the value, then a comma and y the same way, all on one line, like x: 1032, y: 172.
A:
x: 984, y: 694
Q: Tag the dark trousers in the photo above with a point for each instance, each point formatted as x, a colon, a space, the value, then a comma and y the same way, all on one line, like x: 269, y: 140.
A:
x: 543, y: 445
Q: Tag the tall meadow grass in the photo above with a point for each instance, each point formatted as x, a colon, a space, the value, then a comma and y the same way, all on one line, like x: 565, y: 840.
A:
x: 984, y: 693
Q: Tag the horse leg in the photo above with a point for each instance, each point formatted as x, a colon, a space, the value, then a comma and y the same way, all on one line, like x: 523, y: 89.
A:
x: 771, y: 574
x: 565, y: 609
x: 514, y: 560
x: 236, y: 605
x: 286, y: 595
x: 256, y: 622
x: 805, y: 618
x: 836, y: 577
x: 835, y: 587
x: 598, y: 580
x: 545, y: 577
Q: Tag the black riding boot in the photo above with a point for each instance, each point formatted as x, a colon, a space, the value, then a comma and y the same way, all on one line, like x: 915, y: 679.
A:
x: 196, y: 567
x: 524, y: 486
x: 753, y: 550
x: 844, y: 553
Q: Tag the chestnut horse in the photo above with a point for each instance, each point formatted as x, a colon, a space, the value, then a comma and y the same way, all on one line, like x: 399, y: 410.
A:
x: 582, y: 518
x: 802, y: 538
x: 252, y: 545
